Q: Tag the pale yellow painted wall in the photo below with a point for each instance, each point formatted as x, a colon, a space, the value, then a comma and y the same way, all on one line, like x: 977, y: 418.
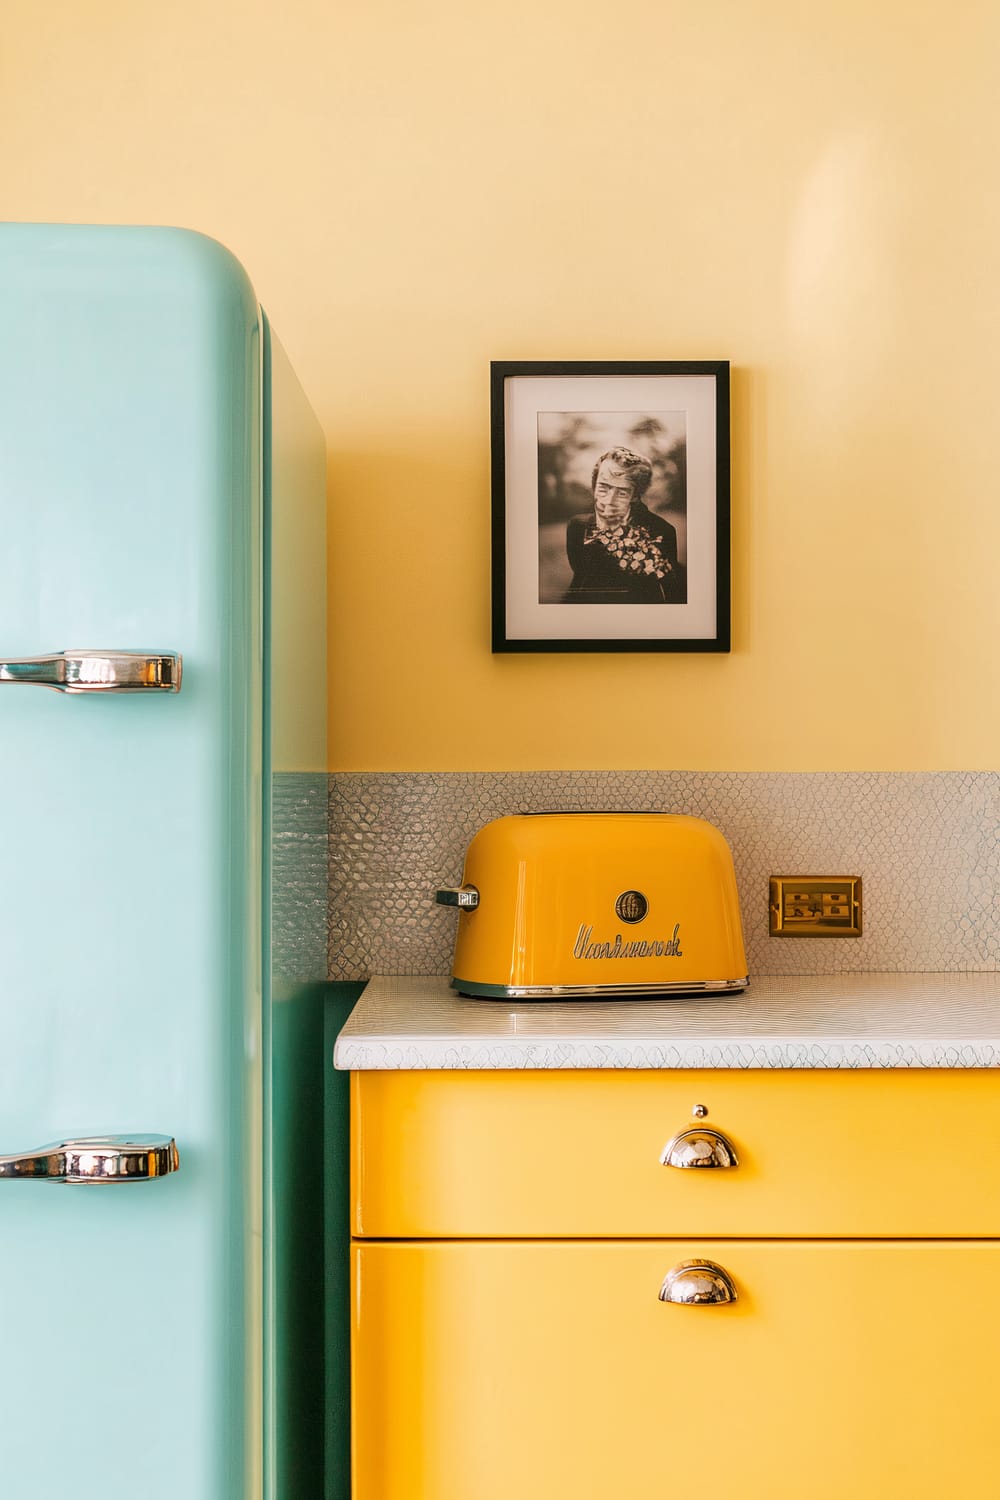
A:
x: 416, y: 188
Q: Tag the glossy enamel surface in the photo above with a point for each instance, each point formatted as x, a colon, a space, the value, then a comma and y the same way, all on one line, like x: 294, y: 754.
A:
x: 591, y: 899
x: 552, y: 1369
x: 130, y: 874
x: 551, y: 1153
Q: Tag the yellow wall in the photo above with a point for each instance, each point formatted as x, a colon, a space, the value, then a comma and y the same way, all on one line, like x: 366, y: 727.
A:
x: 416, y: 188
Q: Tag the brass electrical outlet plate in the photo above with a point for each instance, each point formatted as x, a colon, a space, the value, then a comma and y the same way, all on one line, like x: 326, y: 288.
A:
x: 815, y: 906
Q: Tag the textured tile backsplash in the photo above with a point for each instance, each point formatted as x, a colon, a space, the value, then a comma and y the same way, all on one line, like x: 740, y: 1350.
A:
x: 300, y: 904
x: 927, y: 847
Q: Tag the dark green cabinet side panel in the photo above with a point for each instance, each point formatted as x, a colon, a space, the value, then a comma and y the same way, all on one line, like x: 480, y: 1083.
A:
x: 297, y: 1238
x: 340, y: 1000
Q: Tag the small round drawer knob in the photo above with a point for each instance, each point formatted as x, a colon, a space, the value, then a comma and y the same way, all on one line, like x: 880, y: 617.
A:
x: 699, y: 1147
x: 698, y: 1283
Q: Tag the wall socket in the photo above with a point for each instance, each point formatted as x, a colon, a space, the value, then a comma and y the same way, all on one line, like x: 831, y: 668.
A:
x: 815, y: 906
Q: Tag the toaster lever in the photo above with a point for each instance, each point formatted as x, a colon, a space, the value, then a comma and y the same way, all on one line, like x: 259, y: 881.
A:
x: 465, y: 896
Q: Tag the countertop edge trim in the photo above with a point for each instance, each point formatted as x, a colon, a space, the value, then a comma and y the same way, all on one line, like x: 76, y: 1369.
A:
x: 443, y: 1053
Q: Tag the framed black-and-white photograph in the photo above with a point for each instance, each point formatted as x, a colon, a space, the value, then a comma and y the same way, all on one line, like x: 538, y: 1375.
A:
x: 610, y: 506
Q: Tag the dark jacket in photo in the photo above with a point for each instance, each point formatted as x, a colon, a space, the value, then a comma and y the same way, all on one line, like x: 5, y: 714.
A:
x: 635, y: 563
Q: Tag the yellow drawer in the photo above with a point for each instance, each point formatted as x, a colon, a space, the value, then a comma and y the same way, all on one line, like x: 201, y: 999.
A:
x: 485, y: 1371
x: 550, y: 1154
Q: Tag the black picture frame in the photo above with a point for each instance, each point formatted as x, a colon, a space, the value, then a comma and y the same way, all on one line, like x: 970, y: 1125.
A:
x: 565, y: 578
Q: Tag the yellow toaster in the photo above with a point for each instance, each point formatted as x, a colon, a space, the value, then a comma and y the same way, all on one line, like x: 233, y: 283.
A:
x: 567, y: 904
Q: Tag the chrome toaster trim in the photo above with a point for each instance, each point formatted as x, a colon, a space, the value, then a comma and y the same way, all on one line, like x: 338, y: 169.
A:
x: 598, y: 991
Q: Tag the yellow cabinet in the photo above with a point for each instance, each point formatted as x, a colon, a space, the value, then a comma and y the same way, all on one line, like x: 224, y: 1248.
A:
x: 513, y: 1232
x: 890, y: 1154
x: 544, y: 1371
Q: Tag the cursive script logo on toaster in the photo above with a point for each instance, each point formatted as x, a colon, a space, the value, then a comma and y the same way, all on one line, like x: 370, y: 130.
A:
x: 631, y: 906
x: 585, y: 947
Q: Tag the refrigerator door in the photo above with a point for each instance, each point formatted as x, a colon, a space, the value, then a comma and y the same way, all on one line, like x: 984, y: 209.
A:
x: 130, y: 959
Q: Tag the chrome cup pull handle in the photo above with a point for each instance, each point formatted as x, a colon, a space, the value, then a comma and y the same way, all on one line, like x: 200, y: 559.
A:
x: 698, y: 1283
x: 96, y: 1158
x: 98, y: 671
x: 699, y: 1147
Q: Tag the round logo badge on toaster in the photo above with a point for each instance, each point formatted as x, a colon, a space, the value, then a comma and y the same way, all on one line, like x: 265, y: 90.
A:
x: 631, y: 906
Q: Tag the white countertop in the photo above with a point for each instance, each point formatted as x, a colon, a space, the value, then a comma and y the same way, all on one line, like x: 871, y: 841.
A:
x: 834, y: 1021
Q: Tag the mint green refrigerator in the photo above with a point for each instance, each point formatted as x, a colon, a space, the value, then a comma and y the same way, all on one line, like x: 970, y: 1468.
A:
x: 162, y: 874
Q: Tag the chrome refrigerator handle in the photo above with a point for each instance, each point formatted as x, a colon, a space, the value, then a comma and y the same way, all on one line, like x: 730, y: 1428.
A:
x: 98, y: 671
x: 96, y: 1158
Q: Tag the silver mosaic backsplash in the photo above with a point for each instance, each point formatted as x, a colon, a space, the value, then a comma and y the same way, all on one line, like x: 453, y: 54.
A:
x: 300, y: 904
x: 926, y: 845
